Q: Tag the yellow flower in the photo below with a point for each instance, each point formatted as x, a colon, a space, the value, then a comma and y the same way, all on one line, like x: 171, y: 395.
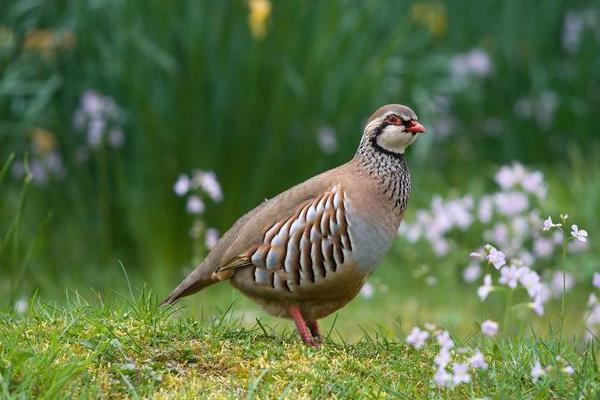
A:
x: 47, y: 41
x: 432, y: 15
x: 7, y: 38
x: 258, y: 17
x: 43, y: 141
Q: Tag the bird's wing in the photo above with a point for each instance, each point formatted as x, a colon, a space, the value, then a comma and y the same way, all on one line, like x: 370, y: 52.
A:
x: 249, y: 231
x: 300, y: 249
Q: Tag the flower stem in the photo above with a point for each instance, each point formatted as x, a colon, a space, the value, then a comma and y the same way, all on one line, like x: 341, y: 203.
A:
x: 562, y: 305
x: 509, y: 299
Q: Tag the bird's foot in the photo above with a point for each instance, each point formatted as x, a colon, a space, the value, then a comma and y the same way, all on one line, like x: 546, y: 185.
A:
x: 314, y: 330
x: 305, y: 333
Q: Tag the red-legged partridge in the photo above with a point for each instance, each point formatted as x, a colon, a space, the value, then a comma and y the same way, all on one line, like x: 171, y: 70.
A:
x: 307, y: 252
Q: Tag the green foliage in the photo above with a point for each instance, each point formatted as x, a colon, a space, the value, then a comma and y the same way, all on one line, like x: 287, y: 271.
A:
x: 198, y: 90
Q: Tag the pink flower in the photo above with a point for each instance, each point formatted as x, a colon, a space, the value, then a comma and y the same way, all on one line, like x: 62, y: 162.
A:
x: 182, y: 185
x: 195, y: 205
x: 444, y: 340
x: 207, y: 181
x: 417, y: 337
x: 460, y: 373
x: 568, y: 370
x: 327, y: 140
x: 489, y: 328
x: 496, y: 257
x: 442, y: 378
x: 537, y: 371
x: 538, y: 304
x: 478, y: 360
x: 211, y: 238
x: 531, y: 281
x: 484, y: 291
x: 596, y: 280
x: 442, y: 358
x: 510, y: 276
x: 579, y: 234
x: 367, y: 291
x: 548, y: 224
x: 471, y: 273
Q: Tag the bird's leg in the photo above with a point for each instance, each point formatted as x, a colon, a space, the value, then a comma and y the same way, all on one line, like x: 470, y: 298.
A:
x: 314, y: 329
x: 305, y: 334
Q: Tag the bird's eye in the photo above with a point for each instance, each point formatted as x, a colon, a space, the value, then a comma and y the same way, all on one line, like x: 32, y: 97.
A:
x: 393, y: 120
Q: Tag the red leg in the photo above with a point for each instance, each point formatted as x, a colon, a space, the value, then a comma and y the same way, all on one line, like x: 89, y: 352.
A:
x: 294, y: 311
x: 314, y: 329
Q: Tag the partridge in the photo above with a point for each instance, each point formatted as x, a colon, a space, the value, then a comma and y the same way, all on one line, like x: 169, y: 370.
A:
x: 308, y: 251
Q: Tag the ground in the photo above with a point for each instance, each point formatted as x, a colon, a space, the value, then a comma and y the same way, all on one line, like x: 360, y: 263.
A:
x: 88, y: 349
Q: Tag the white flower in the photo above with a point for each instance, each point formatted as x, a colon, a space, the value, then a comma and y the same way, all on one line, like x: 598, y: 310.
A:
x: 596, y: 280
x: 526, y: 257
x: 568, y: 370
x: 576, y: 246
x: 594, y: 316
x: 475, y: 254
x: 489, y: 328
x: 531, y: 281
x: 441, y: 247
x: 460, y: 373
x: 471, y: 273
x: 592, y: 300
x: 442, y: 377
x: 327, y: 140
x: 417, y: 337
x: 442, y: 358
x: 486, y: 209
x: 195, y: 205
x: 430, y: 326
x: 572, y: 30
x: 207, y: 181
x: 476, y: 62
x: 499, y: 234
x: 478, y: 360
x: 560, y: 279
x: 538, y: 304
x: 511, y: 203
x: 506, y: 178
x: 211, y: 238
x: 367, y: 290
x: 21, y: 306
x: 548, y: 224
x: 96, y: 131
x: 496, y: 257
x: 579, y: 234
x: 92, y: 103
x: 509, y: 276
x: 444, y: 340
x: 182, y: 185
x: 533, y: 183
x: 543, y: 247
x: 537, y: 371
x: 116, y: 137
x: 557, y: 237
x: 484, y: 291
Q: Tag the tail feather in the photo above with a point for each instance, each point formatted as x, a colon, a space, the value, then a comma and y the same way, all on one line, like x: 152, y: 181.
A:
x: 194, y: 282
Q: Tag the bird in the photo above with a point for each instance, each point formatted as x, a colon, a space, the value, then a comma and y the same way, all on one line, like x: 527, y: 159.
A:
x: 308, y: 251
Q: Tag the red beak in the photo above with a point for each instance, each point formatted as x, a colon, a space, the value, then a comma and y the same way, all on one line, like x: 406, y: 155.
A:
x: 415, y: 127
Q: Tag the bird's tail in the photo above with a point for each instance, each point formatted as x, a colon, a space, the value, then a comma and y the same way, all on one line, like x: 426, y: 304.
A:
x: 194, y: 282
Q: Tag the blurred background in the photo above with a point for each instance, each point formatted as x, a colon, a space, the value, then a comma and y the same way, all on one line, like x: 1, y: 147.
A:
x: 133, y: 133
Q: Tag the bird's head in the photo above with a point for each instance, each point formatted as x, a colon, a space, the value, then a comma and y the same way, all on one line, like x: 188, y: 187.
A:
x: 392, y: 128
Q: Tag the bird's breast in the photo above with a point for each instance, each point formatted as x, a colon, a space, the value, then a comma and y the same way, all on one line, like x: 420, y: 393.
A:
x: 371, y: 234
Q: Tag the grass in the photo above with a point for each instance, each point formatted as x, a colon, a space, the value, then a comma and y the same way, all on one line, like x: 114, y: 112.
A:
x: 89, y: 349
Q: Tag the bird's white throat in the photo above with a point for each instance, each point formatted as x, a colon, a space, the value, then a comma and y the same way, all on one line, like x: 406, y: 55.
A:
x: 394, y: 139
